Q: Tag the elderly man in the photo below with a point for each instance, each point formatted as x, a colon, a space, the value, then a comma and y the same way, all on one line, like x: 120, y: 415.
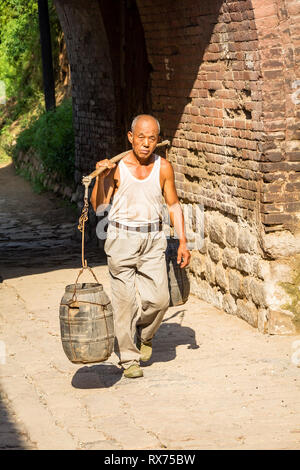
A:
x: 135, y: 244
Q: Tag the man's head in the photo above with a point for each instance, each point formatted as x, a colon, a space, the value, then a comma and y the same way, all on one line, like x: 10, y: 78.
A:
x: 144, y: 135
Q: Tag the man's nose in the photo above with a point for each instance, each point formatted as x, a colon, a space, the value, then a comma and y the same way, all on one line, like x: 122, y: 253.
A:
x: 146, y: 142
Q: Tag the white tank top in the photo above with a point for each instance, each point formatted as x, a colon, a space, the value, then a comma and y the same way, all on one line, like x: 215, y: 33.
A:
x: 137, y: 202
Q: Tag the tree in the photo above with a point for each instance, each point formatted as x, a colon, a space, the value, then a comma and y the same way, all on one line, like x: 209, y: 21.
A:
x: 45, y: 35
x: 20, y: 51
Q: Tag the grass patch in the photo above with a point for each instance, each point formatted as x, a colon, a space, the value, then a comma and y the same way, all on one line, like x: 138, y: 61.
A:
x: 293, y: 290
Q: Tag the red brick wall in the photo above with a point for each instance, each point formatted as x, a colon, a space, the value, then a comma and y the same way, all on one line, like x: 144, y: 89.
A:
x: 278, y: 26
x: 221, y: 86
x: 207, y: 94
x: 222, y: 80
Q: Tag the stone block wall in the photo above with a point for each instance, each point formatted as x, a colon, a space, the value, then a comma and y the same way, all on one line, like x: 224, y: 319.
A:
x: 231, y: 271
x: 30, y: 166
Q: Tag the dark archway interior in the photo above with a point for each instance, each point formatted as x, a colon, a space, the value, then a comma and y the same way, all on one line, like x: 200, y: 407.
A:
x: 131, y: 69
x: 158, y: 77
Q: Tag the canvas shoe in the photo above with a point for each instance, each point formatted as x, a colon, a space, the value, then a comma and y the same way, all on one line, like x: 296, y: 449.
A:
x: 133, y: 372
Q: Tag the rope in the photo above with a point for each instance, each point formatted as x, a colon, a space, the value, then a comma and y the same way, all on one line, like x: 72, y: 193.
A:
x: 74, y: 298
x: 82, y: 220
x: 81, y: 226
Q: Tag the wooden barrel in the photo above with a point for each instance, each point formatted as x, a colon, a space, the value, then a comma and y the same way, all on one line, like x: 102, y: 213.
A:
x: 179, y: 285
x: 86, y: 323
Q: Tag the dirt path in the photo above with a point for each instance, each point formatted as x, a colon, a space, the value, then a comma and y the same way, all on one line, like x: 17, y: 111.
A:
x: 214, y: 382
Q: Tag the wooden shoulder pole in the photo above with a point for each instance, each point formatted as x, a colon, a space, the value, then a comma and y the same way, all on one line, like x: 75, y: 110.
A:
x: 116, y: 159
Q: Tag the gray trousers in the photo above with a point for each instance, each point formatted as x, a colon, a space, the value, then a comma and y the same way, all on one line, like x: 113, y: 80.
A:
x: 139, y: 288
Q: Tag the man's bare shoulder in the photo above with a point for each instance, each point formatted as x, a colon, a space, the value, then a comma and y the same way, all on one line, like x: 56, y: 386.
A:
x: 166, y: 168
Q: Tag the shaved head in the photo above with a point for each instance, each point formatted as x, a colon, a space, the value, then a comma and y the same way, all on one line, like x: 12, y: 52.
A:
x: 143, y: 136
x: 144, y: 117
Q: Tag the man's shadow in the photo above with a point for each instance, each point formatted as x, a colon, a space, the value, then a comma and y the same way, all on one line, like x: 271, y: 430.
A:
x: 168, y: 337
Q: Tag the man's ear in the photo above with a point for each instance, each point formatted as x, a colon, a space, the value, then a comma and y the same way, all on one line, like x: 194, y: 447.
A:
x: 130, y: 136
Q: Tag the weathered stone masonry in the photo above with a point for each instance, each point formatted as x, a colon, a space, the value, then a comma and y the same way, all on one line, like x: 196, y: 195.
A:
x: 223, y: 78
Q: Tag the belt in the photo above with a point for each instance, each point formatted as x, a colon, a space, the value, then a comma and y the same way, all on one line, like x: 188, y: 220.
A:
x: 154, y: 227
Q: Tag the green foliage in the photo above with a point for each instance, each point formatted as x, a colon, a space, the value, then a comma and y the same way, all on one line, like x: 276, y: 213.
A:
x: 9, y: 129
x: 20, y: 52
x: 5, y: 144
x: 4, y: 156
x: 51, y: 135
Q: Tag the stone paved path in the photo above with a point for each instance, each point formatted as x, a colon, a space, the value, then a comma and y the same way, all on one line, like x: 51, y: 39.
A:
x: 214, y: 382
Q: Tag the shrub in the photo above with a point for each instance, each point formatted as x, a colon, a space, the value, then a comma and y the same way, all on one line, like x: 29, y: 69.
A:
x: 51, y: 135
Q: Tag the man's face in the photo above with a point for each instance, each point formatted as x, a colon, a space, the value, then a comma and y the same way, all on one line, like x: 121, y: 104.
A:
x: 144, y: 138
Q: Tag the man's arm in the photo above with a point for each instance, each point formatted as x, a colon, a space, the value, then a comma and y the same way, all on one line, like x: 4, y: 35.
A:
x: 104, y: 186
x: 175, y: 211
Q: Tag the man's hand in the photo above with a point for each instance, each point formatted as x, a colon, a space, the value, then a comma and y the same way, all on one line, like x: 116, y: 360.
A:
x: 107, y: 164
x: 183, y: 255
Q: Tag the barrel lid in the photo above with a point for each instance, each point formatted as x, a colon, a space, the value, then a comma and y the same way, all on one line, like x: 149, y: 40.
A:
x: 86, y: 287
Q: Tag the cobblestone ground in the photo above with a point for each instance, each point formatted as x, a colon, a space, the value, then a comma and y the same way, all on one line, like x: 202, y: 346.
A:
x: 213, y: 382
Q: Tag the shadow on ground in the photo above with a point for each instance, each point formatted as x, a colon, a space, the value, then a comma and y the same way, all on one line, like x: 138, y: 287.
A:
x: 168, y: 337
x: 10, y: 437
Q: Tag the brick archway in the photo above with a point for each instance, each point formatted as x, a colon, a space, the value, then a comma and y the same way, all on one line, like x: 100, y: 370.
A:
x: 105, y: 44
